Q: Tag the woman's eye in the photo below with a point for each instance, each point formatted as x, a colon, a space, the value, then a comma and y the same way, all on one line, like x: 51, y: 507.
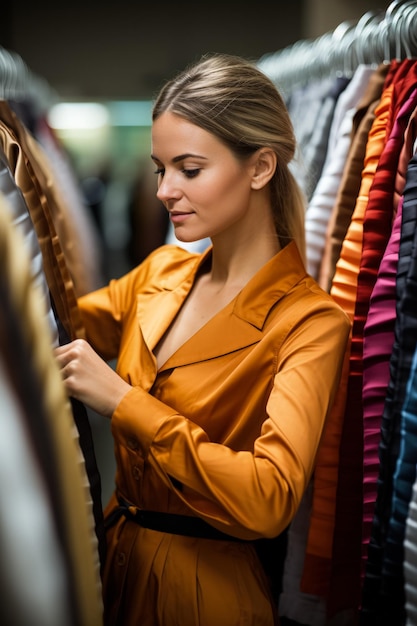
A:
x: 160, y: 171
x: 191, y: 173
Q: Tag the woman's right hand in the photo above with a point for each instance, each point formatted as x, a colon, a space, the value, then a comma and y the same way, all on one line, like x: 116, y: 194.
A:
x: 88, y: 378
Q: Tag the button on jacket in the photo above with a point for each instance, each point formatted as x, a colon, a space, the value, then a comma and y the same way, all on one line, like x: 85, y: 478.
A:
x: 226, y: 430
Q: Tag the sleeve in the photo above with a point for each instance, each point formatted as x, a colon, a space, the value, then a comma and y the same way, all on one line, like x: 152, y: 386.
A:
x: 248, y: 494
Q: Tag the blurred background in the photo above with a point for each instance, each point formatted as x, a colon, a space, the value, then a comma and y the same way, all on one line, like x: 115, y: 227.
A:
x: 101, y: 63
x: 96, y: 67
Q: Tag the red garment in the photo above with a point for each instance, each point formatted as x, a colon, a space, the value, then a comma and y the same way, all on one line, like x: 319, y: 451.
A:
x: 377, y: 227
x: 378, y: 341
x: 317, y: 568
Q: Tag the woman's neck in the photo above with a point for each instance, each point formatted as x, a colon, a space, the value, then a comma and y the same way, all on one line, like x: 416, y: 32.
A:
x: 238, y: 264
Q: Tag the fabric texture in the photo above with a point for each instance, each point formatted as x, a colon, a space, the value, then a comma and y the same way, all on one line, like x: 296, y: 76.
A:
x: 325, y: 193
x: 377, y: 226
x: 57, y: 537
x: 377, y: 596
x: 34, y: 179
x: 279, y: 331
x: 350, y: 183
x: 319, y: 555
x: 379, y: 340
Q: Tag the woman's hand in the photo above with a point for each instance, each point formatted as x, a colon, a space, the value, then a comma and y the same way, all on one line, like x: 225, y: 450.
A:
x: 90, y: 379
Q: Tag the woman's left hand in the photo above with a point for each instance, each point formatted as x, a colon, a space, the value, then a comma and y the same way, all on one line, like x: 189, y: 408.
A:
x: 90, y: 379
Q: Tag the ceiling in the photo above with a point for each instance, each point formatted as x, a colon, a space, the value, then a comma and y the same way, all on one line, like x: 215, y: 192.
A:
x: 126, y: 50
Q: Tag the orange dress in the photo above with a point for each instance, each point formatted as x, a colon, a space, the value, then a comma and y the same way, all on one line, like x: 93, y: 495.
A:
x: 226, y: 430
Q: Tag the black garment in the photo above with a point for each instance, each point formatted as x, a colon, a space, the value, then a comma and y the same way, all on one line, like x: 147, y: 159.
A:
x: 87, y: 448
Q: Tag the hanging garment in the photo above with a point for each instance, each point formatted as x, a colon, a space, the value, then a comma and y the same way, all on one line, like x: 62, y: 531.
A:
x: 403, y: 480
x: 48, y: 560
x: 378, y: 343
x: 377, y: 599
x: 323, y: 198
x: 304, y: 109
x: 29, y: 544
x: 21, y: 153
x: 314, y: 153
x: 318, y: 562
x: 22, y: 222
x: 374, y: 270
x: 72, y: 219
x: 76, y: 227
x: 377, y: 226
x: 410, y: 540
x: 294, y: 604
x: 35, y: 182
x: 377, y: 348
x: 311, y: 109
x: 342, y: 212
x: 388, y: 448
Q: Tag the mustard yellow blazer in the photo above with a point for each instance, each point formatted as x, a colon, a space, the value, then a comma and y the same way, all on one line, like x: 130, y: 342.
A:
x: 226, y: 430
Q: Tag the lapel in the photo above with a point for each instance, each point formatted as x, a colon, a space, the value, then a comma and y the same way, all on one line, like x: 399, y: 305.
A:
x: 237, y: 326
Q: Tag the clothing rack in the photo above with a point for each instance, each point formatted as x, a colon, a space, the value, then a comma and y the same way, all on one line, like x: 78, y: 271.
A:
x: 18, y: 83
x: 375, y: 38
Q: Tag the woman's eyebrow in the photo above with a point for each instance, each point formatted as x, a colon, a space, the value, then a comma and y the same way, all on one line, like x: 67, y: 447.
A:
x: 181, y: 157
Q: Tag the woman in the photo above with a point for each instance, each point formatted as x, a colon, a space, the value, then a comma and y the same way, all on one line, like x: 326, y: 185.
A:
x: 228, y: 362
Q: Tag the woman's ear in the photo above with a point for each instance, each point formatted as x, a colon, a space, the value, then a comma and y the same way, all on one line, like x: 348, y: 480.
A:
x: 264, y: 163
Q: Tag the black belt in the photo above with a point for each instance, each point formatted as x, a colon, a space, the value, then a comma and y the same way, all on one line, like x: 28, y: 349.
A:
x: 185, y: 525
x: 271, y: 552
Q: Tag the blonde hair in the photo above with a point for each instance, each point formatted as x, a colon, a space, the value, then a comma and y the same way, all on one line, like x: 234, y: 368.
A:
x: 231, y: 98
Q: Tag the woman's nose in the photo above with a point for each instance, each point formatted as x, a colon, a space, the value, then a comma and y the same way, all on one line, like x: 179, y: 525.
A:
x: 167, y: 189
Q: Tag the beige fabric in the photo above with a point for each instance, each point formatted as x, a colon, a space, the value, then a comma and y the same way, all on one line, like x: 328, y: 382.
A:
x: 77, y: 514
x: 31, y: 176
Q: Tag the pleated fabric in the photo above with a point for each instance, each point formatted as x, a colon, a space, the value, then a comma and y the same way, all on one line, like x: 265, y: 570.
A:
x: 376, y: 597
x: 318, y: 564
x: 404, y: 478
x: 377, y: 226
x: 22, y: 222
x: 377, y: 348
x: 378, y: 344
x: 21, y: 152
x: 381, y: 588
x: 410, y: 540
x: 293, y: 603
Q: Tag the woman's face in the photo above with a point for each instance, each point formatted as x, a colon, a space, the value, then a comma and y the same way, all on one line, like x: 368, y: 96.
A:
x: 206, y: 190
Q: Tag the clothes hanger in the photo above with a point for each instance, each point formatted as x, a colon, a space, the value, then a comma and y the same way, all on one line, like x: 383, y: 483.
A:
x: 376, y: 38
x: 19, y: 83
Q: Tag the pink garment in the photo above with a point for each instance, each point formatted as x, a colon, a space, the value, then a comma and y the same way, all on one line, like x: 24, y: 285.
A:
x: 377, y: 347
x: 378, y: 343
